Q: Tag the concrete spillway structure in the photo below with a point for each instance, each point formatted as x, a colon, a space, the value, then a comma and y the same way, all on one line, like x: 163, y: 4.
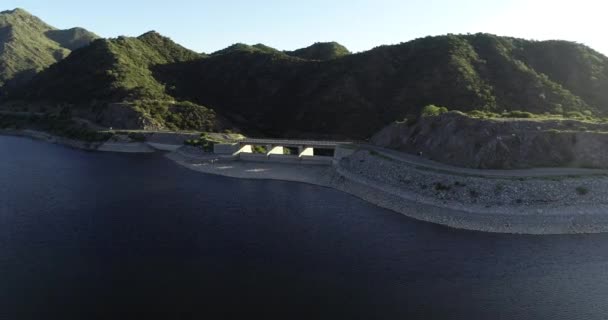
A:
x: 308, y: 151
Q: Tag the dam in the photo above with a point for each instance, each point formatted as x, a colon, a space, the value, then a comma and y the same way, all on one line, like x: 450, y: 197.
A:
x: 286, y: 151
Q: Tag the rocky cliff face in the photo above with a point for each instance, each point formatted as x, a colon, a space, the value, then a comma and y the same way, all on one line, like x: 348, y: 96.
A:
x: 456, y: 139
x: 123, y: 116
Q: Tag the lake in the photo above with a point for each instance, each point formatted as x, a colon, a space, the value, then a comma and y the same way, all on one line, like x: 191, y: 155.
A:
x: 87, y: 235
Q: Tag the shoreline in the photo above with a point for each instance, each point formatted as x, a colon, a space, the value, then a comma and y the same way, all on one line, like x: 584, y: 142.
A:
x: 333, y: 177
x: 47, y: 137
x: 529, y: 220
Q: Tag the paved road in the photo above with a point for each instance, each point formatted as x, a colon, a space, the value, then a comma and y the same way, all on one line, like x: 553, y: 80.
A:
x: 295, y: 143
x: 517, y: 173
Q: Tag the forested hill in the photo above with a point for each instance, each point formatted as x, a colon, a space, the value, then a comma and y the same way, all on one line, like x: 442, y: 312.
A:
x: 321, y: 51
x: 110, y: 70
x: 357, y: 94
x: 267, y: 91
x: 28, y: 45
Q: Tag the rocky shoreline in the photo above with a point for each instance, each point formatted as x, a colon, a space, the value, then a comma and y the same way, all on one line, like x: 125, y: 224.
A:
x: 525, y: 218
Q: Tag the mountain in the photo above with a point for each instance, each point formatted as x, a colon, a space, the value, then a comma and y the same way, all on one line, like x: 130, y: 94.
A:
x: 112, y: 70
x: 318, y: 51
x: 241, y: 47
x: 28, y: 45
x: 321, y: 51
x: 111, y: 79
x: 72, y: 39
x: 356, y: 95
x: 265, y: 91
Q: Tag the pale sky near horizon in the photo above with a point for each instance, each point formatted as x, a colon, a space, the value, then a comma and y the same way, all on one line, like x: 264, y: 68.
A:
x: 360, y: 25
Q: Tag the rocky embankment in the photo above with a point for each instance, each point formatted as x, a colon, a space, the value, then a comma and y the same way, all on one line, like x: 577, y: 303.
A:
x: 477, y: 193
x: 456, y: 139
x: 540, y: 205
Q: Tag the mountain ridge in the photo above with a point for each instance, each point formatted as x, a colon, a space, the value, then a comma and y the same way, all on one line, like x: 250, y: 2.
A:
x: 318, y: 92
x: 320, y: 51
x: 359, y: 93
x: 29, y: 45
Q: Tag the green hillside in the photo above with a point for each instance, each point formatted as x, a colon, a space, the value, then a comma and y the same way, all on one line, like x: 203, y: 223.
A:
x: 245, y: 48
x: 357, y: 94
x: 321, y: 51
x: 262, y: 90
x: 28, y: 45
x: 71, y: 39
x: 111, y: 71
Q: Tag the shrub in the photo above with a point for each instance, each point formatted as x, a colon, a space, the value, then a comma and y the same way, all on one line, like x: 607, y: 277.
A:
x: 442, y: 187
x: 499, y: 188
x: 139, y: 137
x: 582, y: 191
x: 432, y: 110
x: 260, y: 149
x: 204, y: 142
x: 473, y: 193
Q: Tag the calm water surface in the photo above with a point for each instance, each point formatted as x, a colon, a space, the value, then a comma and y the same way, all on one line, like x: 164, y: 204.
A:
x: 87, y: 235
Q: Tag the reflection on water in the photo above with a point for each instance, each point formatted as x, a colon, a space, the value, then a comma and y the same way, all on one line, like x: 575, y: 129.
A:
x: 85, y: 232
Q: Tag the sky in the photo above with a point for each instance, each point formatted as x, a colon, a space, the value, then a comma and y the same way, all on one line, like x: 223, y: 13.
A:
x: 207, y: 26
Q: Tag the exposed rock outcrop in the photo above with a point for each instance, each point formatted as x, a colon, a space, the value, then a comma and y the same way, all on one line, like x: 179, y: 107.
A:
x: 124, y: 116
x: 456, y: 139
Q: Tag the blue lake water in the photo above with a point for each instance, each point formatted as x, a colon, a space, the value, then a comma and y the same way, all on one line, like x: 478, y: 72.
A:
x: 93, y: 235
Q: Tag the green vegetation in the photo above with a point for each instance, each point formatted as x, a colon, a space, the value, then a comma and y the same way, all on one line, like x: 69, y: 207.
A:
x: 499, y: 188
x: 28, y: 45
x: 205, y: 142
x: 179, y: 115
x: 474, y: 193
x: 572, y: 115
x: 120, y: 70
x: 323, y: 90
x: 432, y: 110
x: 442, y: 187
x: 459, y: 184
x: 358, y: 94
x: 321, y: 51
x: 290, y: 151
x: 244, y: 48
x: 55, y: 124
x: 138, y: 137
x: 260, y: 149
x: 581, y: 191
x: 72, y: 39
x: 112, y: 70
